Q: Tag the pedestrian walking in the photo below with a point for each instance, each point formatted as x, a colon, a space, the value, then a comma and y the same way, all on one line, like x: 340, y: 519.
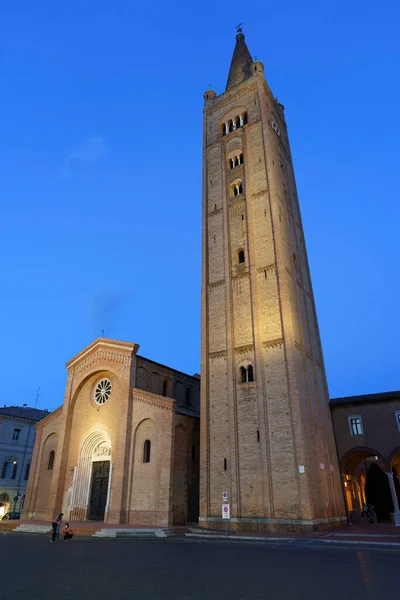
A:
x: 68, y: 533
x: 56, y: 523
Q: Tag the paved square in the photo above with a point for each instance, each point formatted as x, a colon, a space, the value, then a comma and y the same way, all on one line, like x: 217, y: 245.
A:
x: 87, y: 569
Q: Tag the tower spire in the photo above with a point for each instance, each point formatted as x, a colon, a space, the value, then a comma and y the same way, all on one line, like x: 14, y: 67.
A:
x: 241, y: 61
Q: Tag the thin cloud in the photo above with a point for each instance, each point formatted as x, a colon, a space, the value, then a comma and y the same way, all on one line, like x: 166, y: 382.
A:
x: 91, y: 151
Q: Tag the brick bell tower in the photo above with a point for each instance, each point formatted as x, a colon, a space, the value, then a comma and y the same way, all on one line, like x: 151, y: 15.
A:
x: 266, y: 431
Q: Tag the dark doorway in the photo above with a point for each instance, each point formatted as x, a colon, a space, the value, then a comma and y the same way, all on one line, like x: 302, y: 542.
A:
x: 99, y: 489
x: 377, y: 491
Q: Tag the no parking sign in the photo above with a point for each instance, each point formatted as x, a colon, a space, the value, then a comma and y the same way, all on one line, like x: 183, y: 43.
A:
x: 226, y: 513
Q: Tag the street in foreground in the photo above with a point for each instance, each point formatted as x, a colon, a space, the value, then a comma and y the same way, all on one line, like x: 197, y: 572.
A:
x: 87, y: 569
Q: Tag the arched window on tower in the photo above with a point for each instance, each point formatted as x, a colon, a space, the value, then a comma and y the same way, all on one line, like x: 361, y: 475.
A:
x: 247, y: 374
x: 51, y: 461
x: 146, y: 451
x: 241, y: 257
x: 237, y: 189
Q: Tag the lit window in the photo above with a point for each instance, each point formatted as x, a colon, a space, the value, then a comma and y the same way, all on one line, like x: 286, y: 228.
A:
x: 355, y: 423
x: 14, y: 470
x: 16, y: 434
x: 146, y: 451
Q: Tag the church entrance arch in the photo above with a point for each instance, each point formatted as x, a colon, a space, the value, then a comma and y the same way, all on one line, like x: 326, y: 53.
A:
x: 92, y: 479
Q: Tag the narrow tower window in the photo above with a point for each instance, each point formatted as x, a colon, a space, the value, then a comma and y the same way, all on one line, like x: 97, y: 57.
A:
x: 225, y: 465
x: 243, y: 374
x: 146, y: 451
x: 241, y: 258
x: 51, y: 461
x: 258, y: 435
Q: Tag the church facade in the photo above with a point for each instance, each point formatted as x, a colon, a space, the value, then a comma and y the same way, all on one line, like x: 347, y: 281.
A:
x: 124, y: 446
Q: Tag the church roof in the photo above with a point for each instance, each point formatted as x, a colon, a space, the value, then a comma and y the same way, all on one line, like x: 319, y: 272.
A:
x: 241, y: 63
x: 24, y: 412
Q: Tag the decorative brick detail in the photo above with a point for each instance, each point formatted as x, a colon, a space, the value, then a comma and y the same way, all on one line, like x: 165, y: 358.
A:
x: 100, y: 356
x: 216, y: 284
x: 273, y: 343
x: 244, y: 349
x: 219, y: 354
x: 215, y: 212
x: 152, y: 399
x: 271, y: 268
x: 259, y: 194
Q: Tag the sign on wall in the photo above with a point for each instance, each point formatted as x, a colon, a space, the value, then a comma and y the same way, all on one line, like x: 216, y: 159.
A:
x: 226, y: 513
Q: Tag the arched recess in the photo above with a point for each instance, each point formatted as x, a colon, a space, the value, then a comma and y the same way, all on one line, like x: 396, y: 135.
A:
x: 142, y: 379
x: 364, y: 472
x: 181, y: 475
x: 45, y: 474
x: 166, y: 388
x: 92, y: 477
x: 178, y: 391
x: 145, y: 483
x: 155, y: 383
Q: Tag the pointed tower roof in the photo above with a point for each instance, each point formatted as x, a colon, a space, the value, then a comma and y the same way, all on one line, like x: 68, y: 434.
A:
x: 241, y: 62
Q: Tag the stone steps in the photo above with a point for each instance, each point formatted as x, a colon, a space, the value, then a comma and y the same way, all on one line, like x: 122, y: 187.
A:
x: 31, y: 528
x: 133, y: 533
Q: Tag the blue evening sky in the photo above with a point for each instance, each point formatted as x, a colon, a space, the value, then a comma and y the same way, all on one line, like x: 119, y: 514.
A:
x: 100, y: 176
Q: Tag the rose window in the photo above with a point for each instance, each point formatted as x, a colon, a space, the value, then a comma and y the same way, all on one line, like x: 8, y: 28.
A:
x: 102, y: 391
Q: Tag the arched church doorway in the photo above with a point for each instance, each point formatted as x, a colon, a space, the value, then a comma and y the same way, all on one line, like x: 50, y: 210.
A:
x: 377, y: 492
x: 99, y: 490
x: 90, y: 493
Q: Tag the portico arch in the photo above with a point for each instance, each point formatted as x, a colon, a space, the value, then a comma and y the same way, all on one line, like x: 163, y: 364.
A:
x: 365, y: 478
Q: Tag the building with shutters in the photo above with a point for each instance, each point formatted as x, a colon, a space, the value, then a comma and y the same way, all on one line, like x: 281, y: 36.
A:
x: 17, y: 438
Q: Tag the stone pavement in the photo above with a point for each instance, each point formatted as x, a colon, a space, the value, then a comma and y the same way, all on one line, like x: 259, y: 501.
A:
x: 92, y: 569
x: 376, y: 534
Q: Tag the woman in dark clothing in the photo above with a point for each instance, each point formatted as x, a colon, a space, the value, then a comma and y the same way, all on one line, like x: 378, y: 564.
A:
x: 56, y: 523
